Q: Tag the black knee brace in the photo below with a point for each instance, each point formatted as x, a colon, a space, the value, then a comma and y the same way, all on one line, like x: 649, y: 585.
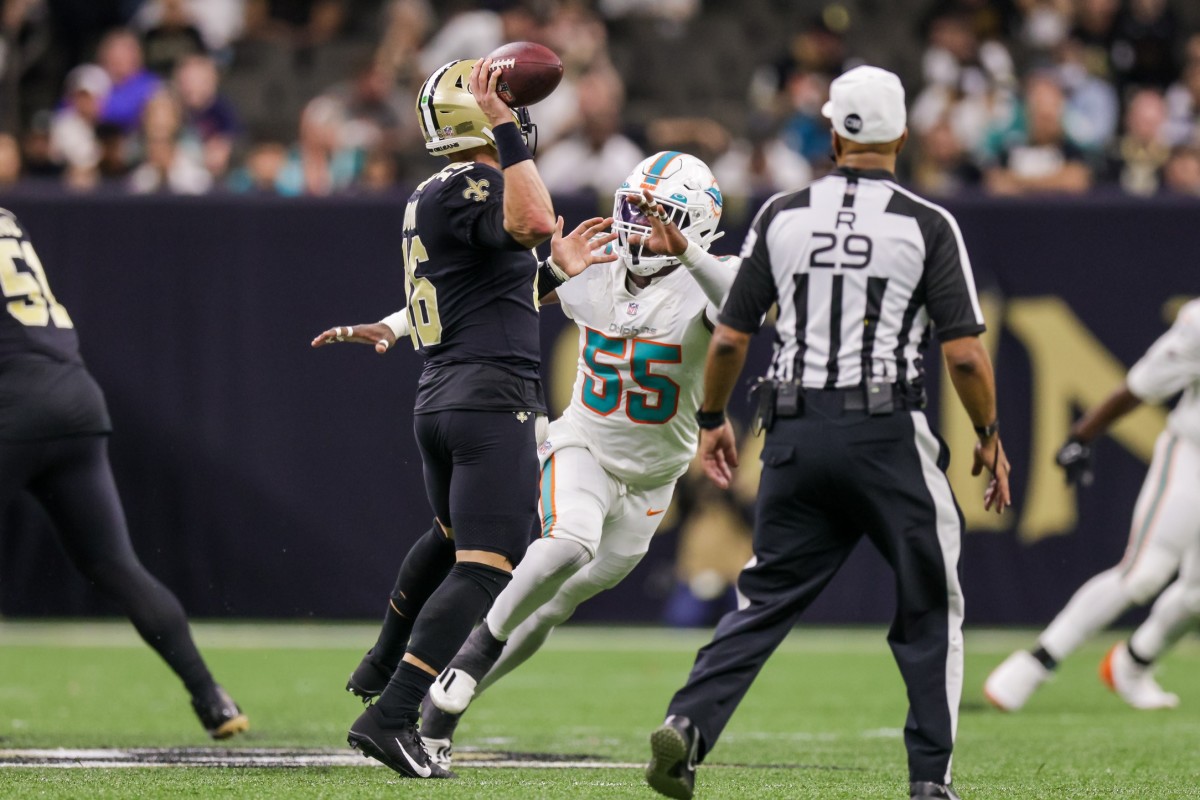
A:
x: 450, y: 614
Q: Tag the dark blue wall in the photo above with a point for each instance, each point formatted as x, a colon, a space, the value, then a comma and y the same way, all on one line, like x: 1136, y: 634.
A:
x: 262, y: 478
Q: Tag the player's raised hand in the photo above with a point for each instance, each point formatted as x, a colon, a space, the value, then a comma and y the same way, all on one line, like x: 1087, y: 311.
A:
x: 583, y: 246
x: 482, y: 83
x: 718, y: 454
x: 376, y: 333
x: 990, y: 455
x: 1075, y: 458
x: 665, y: 238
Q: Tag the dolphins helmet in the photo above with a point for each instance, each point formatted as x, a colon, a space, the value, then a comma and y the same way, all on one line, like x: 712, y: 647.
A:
x: 450, y: 118
x: 686, y: 189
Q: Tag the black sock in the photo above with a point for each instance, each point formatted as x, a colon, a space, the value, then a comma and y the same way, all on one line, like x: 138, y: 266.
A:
x: 402, y: 698
x: 424, y: 568
x: 1048, y: 661
x: 440, y: 630
x: 1144, y: 662
x: 480, y: 652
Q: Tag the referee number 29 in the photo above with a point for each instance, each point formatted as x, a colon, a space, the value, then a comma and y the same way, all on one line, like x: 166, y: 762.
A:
x: 30, y: 301
x: 831, y: 250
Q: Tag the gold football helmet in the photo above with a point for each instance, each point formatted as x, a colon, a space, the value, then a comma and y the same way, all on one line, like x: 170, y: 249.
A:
x: 450, y: 118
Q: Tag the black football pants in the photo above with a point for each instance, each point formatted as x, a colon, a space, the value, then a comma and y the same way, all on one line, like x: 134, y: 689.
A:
x: 72, y: 480
x: 828, y: 478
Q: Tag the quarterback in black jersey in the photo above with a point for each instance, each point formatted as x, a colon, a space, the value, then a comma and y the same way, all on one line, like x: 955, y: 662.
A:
x: 54, y: 430
x: 471, y: 285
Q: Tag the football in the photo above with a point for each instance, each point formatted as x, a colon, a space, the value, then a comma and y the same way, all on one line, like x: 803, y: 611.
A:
x: 529, y: 72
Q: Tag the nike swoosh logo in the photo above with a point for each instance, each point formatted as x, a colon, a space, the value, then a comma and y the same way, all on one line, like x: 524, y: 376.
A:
x: 424, y: 772
x: 653, y: 513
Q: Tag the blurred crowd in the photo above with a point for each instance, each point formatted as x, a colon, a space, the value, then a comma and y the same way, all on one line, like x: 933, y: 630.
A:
x: 315, y: 97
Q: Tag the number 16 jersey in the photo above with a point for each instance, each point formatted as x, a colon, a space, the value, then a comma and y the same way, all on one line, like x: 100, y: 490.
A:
x: 641, y: 370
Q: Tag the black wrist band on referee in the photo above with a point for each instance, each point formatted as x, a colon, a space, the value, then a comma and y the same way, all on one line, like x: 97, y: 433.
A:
x: 710, y: 420
x: 510, y: 144
x: 987, y: 431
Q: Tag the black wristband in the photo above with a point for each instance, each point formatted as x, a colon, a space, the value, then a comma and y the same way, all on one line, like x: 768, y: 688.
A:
x: 985, y: 432
x: 710, y: 420
x: 510, y: 144
x: 547, y: 279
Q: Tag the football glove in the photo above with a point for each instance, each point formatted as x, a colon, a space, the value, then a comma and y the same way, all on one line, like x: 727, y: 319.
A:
x: 1075, y: 458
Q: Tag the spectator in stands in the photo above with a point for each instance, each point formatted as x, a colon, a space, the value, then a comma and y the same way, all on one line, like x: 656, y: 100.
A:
x: 967, y: 83
x: 208, y: 118
x: 1136, y: 159
x: 597, y: 157
x: 1183, y: 105
x: 805, y: 130
x: 73, y: 130
x: 378, y: 173
x: 1033, y: 154
x: 1095, y: 29
x: 36, y: 150
x: 120, y: 54
x: 1181, y: 175
x: 942, y: 166
x: 218, y: 21
x: 10, y: 160
x: 375, y: 113
x: 760, y: 164
x: 261, y: 170
x: 169, y: 165
x: 1093, y: 108
x: 406, y: 25
x: 472, y: 29
x: 1145, y: 39
x: 173, y: 38
x: 116, y: 153
x: 320, y: 164
x: 311, y: 23
x: 1044, y: 24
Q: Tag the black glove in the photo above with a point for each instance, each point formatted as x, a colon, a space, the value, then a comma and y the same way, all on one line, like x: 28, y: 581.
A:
x: 1075, y: 458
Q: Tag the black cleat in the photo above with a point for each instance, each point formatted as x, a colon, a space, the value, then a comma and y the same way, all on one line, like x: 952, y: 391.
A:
x: 398, y: 747
x: 219, y: 715
x: 928, y: 790
x: 369, y: 678
x: 673, y: 749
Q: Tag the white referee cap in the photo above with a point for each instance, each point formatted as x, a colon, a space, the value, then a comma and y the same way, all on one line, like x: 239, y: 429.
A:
x: 866, y: 105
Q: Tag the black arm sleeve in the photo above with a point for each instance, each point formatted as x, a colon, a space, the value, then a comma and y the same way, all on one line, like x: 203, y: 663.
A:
x: 949, y: 283
x: 473, y: 202
x: 753, y: 291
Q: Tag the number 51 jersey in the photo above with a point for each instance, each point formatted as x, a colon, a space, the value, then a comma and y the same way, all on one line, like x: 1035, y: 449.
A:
x: 641, y: 370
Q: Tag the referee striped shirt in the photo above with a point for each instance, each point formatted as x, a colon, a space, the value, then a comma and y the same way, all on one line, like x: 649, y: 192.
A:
x: 861, y: 269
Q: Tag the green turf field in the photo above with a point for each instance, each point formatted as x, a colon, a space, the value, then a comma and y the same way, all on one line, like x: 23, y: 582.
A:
x: 823, y: 721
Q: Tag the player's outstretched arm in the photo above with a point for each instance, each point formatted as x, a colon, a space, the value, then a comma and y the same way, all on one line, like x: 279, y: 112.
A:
x: 379, y: 334
x: 570, y: 255
x: 714, y: 278
x: 971, y: 373
x: 528, y: 210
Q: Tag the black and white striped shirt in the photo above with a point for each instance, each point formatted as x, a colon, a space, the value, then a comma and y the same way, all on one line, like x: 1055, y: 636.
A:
x: 861, y: 268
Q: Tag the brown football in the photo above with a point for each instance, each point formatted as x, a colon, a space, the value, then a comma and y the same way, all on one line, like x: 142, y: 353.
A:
x: 529, y: 72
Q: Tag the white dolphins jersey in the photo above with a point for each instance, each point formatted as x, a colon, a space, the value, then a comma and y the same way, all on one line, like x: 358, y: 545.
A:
x: 1172, y: 364
x: 641, y: 370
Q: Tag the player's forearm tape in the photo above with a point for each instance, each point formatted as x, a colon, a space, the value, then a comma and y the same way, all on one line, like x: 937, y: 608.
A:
x: 714, y: 278
x: 510, y: 145
x: 398, y: 322
x: 549, y: 277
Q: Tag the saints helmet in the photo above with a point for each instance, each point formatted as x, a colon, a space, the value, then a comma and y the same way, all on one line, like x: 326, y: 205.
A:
x: 688, y: 193
x: 450, y: 118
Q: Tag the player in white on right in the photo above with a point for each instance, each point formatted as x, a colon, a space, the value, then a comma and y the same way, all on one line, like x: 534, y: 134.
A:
x: 1165, y: 537
x: 610, y: 462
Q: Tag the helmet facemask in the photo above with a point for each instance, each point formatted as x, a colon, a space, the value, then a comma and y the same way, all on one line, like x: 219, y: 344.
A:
x: 633, y: 230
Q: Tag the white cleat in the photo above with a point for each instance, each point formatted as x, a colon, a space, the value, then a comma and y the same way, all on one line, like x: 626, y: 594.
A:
x: 1012, y: 683
x: 1133, y: 682
x: 441, y: 751
x: 452, y: 691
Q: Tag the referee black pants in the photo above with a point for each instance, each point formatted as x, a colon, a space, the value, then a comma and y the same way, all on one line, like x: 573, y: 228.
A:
x: 829, y: 478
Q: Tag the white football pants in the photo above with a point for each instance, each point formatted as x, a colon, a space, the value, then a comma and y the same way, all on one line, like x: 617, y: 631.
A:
x: 595, y: 530
x: 1164, y: 537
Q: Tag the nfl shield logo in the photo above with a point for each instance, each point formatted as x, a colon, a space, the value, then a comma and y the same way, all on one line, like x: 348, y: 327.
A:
x: 631, y: 309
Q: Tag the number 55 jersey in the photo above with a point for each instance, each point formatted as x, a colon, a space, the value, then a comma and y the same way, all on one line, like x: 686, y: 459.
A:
x: 641, y: 368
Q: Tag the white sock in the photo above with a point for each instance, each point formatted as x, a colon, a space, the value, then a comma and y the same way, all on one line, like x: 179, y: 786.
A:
x: 1094, y: 607
x: 1170, y: 618
x: 547, y: 564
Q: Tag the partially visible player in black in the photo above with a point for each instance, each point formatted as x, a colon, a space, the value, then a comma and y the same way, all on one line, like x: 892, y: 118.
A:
x: 54, y: 430
x: 470, y: 286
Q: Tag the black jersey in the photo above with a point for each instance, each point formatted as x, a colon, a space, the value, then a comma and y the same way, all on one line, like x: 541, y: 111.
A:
x: 45, y: 390
x: 470, y: 288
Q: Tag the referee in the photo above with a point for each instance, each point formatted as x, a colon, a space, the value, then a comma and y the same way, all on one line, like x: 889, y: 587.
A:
x: 861, y: 269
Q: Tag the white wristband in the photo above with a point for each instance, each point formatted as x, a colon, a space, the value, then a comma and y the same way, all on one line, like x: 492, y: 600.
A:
x: 691, y: 257
x: 557, y: 270
x: 398, y: 322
